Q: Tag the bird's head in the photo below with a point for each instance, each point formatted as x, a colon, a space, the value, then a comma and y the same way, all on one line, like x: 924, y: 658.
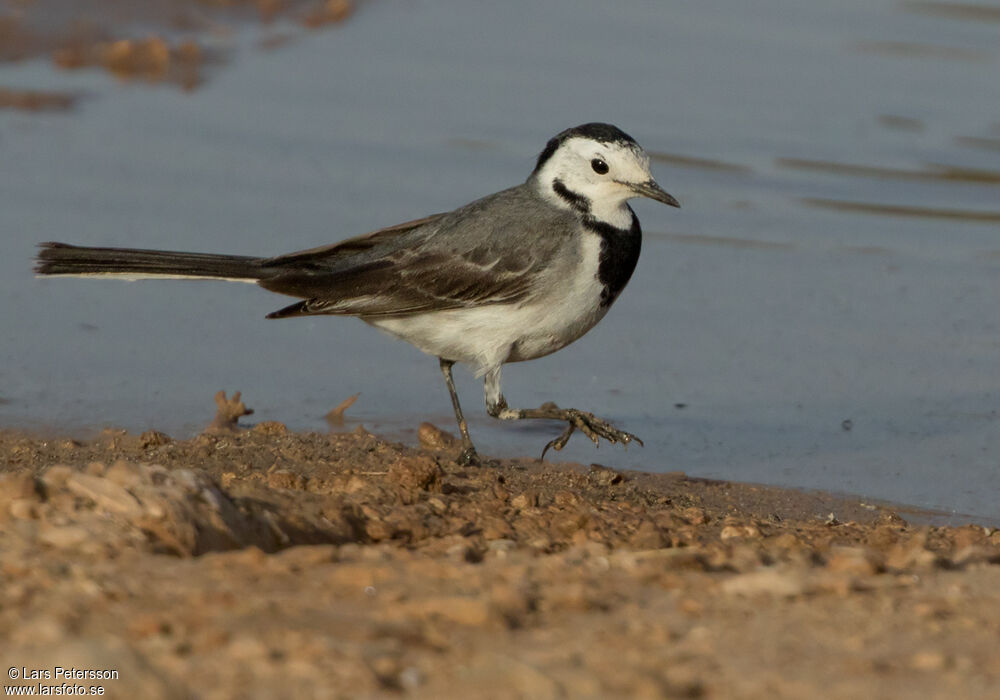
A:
x: 596, y: 168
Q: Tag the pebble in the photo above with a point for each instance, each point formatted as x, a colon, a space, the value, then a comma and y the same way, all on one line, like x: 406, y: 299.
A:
x: 695, y: 516
x: 433, y: 438
x: 928, y: 661
x: 853, y: 560
x: 420, y: 472
x: 55, y: 476
x: 770, y: 581
x: 286, y: 479
x: 24, y: 508
x: 16, y: 486
x: 64, y: 536
x: 106, y: 494
x: 124, y: 473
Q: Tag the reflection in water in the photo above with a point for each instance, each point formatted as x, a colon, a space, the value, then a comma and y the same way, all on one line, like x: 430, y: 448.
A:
x: 978, y: 142
x: 900, y: 210
x: 946, y: 173
x: 912, y: 48
x: 37, y: 100
x: 157, y: 41
x: 955, y: 10
x: 701, y: 163
x: 893, y: 121
x: 865, y: 249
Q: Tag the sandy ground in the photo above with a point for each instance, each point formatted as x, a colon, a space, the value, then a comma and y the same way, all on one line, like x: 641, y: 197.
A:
x: 261, y: 563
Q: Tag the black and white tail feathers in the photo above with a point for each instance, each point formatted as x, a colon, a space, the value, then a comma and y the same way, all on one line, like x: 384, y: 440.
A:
x: 131, y: 263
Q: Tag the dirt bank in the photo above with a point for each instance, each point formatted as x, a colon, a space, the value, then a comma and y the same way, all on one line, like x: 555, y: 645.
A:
x: 263, y: 563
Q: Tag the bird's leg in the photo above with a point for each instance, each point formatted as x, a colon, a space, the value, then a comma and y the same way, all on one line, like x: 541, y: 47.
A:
x: 469, y: 456
x: 589, y: 424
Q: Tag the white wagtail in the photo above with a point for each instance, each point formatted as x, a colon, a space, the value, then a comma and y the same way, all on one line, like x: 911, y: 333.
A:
x: 510, y: 277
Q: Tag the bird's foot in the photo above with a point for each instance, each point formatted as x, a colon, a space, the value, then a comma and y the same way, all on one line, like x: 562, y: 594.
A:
x: 591, y: 426
x: 469, y: 457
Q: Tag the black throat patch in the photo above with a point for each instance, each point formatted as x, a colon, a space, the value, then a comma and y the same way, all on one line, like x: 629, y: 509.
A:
x: 575, y: 199
x: 619, y: 255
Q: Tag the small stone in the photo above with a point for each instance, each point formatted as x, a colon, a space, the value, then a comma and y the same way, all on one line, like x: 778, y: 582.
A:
x: 286, y: 479
x: 540, y: 543
x: 972, y: 555
x: 496, y: 528
x: 63, y: 537
x: 270, y: 428
x: 853, y: 560
x: 889, y: 518
x: 410, y: 678
x: 433, y: 438
x: 605, y: 476
x: 648, y: 536
x: 106, y: 494
x: 55, y: 476
x: 566, y: 499
x: 730, y: 532
x: 124, y: 473
x: 501, y: 545
x: 462, y: 610
x: 24, y: 508
x: 20, y: 485
x: 377, y: 530
x: 437, y: 505
x: 566, y: 525
x: 912, y: 554
x: 771, y: 581
x: 421, y: 472
x: 695, y: 516
x: 154, y: 438
x: 386, y: 669
x: 928, y: 661
x: 691, y: 607
x: 306, y: 556
x: 355, y: 484
x: 525, y: 499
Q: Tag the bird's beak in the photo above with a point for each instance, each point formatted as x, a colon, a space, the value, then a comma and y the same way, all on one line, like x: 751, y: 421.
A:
x: 653, y: 191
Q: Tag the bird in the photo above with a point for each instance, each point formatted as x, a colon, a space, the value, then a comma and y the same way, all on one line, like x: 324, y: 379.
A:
x: 510, y: 277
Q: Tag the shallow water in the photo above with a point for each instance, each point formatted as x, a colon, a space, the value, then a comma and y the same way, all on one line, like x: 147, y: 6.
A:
x: 822, y: 313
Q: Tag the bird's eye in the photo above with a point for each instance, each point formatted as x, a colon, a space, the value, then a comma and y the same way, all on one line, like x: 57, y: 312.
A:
x: 599, y: 166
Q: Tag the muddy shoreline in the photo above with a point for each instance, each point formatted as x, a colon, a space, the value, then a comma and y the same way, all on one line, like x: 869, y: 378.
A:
x: 257, y: 562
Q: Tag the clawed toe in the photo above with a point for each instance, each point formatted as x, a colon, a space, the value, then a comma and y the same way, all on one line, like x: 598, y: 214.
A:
x: 559, y: 442
x: 591, y: 426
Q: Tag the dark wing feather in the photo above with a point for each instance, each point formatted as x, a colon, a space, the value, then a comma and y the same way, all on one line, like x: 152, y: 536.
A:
x: 480, y: 254
x: 323, y: 256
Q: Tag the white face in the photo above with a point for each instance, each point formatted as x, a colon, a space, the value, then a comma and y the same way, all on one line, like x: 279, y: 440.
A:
x: 579, y: 164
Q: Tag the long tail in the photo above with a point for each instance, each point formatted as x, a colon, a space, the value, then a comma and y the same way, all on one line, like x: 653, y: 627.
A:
x: 133, y: 264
